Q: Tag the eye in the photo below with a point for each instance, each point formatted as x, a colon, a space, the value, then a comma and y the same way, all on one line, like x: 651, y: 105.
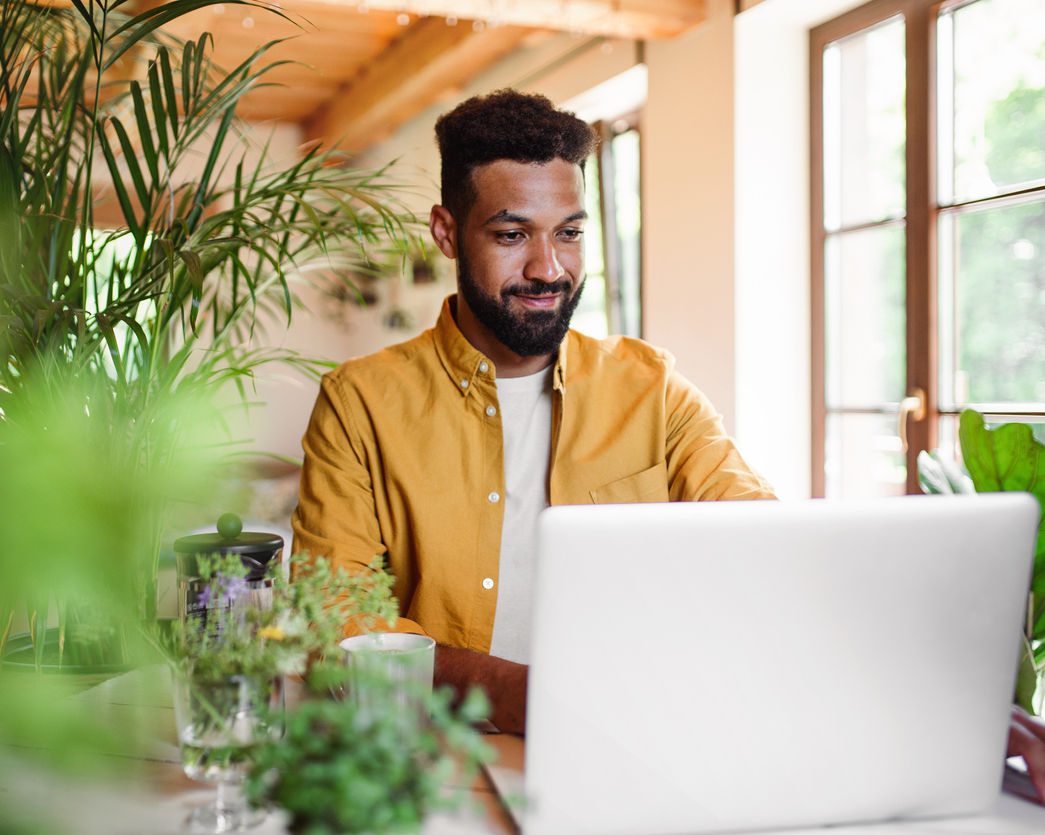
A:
x: 571, y: 234
x: 509, y: 237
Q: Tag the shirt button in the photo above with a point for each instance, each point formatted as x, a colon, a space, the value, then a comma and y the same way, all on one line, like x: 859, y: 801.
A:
x: 493, y: 497
x: 491, y: 411
x: 487, y: 583
x: 484, y: 367
x: 464, y: 384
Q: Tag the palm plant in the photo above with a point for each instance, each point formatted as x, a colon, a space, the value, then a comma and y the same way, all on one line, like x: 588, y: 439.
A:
x: 98, y: 105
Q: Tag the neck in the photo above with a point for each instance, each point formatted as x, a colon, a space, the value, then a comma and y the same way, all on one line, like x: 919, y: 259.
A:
x: 507, y: 362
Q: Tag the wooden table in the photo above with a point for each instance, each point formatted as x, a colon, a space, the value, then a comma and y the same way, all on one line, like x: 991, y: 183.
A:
x: 150, y: 794
x: 154, y: 797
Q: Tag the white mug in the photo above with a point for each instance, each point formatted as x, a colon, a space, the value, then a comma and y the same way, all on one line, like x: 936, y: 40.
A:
x: 396, y: 663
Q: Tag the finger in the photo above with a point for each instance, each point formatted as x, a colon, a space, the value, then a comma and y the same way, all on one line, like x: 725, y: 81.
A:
x: 1024, y: 743
x: 1029, y: 722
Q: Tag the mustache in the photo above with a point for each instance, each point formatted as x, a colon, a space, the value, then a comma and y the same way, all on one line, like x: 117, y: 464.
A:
x: 537, y: 288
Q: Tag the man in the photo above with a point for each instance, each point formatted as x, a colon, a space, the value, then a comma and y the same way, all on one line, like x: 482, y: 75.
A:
x: 440, y: 452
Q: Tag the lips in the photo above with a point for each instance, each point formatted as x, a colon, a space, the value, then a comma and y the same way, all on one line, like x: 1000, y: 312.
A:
x: 544, y: 301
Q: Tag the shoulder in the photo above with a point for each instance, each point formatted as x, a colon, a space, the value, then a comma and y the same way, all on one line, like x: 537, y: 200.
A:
x: 408, y: 362
x: 620, y: 353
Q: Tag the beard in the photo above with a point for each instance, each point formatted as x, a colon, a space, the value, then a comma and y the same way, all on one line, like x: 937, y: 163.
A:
x: 531, y: 333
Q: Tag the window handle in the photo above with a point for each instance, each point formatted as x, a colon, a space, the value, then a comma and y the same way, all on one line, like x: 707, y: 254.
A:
x: 915, y: 406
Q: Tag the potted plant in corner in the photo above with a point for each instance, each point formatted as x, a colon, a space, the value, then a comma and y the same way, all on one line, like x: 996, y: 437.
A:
x: 1007, y: 457
x: 126, y: 327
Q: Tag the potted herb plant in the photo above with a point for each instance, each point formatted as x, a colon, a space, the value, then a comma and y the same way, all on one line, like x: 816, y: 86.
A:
x: 342, y: 767
x: 229, y: 657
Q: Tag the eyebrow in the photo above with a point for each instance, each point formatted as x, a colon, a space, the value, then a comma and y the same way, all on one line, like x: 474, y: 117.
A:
x: 505, y: 216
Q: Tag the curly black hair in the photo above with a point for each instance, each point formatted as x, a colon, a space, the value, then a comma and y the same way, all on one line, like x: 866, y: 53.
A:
x: 505, y: 124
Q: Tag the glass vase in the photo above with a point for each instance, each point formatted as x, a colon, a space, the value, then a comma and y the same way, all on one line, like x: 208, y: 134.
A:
x: 219, y: 724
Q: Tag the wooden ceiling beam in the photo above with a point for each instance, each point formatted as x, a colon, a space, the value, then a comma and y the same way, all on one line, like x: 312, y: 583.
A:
x: 428, y: 61
x: 634, y: 19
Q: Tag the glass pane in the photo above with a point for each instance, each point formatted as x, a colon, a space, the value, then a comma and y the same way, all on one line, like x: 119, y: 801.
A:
x: 865, y: 126
x: 862, y: 457
x: 947, y: 437
x: 998, y: 95
x: 590, y: 315
x: 994, y: 283
x: 865, y: 320
x: 629, y: 222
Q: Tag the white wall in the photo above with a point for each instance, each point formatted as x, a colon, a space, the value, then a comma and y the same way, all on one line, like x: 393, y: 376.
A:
x: 687, y: 204
x: 772, y: 236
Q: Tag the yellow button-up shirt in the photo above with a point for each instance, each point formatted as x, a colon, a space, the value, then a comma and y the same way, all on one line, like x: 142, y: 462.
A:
x: 404, y: 458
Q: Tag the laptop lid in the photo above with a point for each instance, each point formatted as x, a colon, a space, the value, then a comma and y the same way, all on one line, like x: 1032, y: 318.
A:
x: 720, y: 666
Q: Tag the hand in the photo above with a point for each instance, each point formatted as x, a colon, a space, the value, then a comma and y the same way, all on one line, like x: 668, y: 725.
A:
x: 1027, y: 740
x: 504, y: 682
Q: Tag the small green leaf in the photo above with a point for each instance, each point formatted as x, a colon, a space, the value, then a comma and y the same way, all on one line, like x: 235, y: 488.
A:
x: 159, y: 115
x: 141, y: 116
x: 63, y: 625
x: 121, y: 190
x: 168, y: 86
x: 7, y: 616
x: 931, y: 477
x: 1027, y: 679
x: 10, y: 218
x: 114, y: 348
x: 130, y: 159
x: 194, y: 265
x: 36, y: 609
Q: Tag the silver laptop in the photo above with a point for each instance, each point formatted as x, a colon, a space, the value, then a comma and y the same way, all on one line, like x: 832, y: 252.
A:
x: 748, y: 665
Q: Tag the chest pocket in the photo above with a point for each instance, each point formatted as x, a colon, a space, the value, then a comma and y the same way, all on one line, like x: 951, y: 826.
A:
x: 648, y: 486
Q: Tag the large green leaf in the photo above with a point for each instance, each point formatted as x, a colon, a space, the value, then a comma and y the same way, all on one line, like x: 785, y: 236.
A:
x: 1007, y: 458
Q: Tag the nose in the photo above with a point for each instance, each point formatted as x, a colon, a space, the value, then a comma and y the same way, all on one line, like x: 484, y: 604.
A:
x: 543, y: 264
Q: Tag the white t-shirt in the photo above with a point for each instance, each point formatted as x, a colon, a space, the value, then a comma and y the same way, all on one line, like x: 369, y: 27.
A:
x: 526, y: 423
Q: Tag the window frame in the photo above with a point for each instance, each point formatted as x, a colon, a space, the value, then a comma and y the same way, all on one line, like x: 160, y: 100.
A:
x: 603, y: 158
x: 921, y: 222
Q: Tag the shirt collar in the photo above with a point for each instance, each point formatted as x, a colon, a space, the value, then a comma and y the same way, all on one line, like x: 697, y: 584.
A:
x: 463, y: 363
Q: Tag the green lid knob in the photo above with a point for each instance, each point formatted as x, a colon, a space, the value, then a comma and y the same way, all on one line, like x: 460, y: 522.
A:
x: 230, y: 525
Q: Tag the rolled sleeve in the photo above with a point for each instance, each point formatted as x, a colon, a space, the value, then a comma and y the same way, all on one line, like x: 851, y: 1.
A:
x: 703, y: 461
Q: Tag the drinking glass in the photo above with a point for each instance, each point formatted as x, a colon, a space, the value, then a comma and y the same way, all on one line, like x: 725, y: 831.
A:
x: 391, y: 669
x: 219, y: 724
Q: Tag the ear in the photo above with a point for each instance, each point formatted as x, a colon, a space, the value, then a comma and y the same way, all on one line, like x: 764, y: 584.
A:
x: 444, y: 230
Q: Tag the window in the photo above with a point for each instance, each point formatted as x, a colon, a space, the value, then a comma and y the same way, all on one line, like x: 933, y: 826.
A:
x: 928, y: 201
x: 612, y: 295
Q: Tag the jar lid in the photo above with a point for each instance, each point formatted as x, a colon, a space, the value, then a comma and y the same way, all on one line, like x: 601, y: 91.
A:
x: 251, y: 543
x: 255, y: 549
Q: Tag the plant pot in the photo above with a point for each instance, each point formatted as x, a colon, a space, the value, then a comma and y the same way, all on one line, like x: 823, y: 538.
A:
x: 19, y: 656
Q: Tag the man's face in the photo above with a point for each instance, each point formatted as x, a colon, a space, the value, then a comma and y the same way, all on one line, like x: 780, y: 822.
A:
x: 521, y: 253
